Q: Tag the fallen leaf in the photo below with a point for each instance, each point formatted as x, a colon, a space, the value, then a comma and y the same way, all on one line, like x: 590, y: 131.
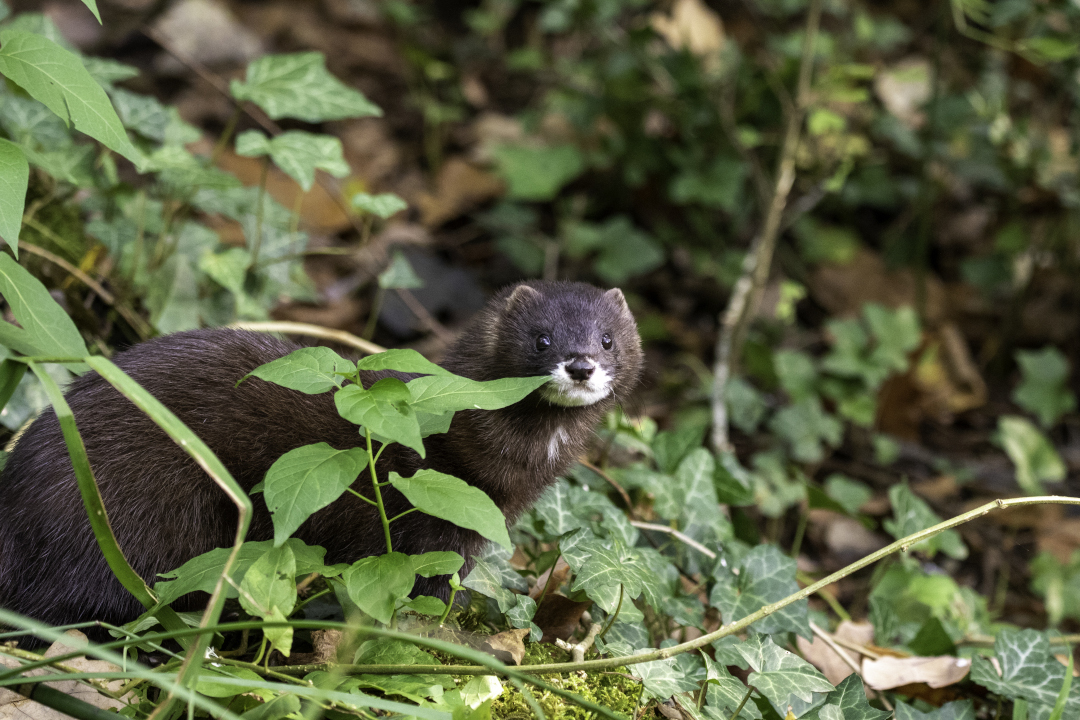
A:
x: 887, y: 673
x: 904, y: 88
x: 825, y: 659
x: 460, y: 186
x: 559, y: 616
x: 692, y: 26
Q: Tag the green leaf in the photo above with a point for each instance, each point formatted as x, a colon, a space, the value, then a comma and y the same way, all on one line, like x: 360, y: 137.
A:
x: 46, y: 329
x: 601, y: 567
x: 911, y: 514
x: 453, y: 499
x: 270, y: 583
x: 299, y: 86
x: 402, y: 360
x: 851, y: 494
x: 399, y: 274
x: 556, y: 507
x: 624, y: 250
x: 57, y: 78
x: 808, y: 429
x: 701, y: 517
x: 538, y: 173
x: 308, y: 479
x: 450, y: 394
x: 383, y: 409
x: 427, y: 605
x: 1058, y: 584
x: 299, y: 154
x: 664, y: 678
x: 724, y: 693
x: 848, y: 702
x: 765, y: 575
x: 208, y: 675
x: 201, y: 573
x: 1043, y: 389
x: 14, y: 179
x: 1028, y: 670
x: 375, y: 584
x: 493, y: 577
x: 779, y: 674
x: 718, y: 186
x: 385, y: 205
x: 796, y: 372
x: 1035, y: 458
x: 431, y: 564
x: 311, y: 370
x: 275, y: 709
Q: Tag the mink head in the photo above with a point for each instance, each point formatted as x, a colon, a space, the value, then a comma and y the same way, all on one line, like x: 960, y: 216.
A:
x: 583, y: 337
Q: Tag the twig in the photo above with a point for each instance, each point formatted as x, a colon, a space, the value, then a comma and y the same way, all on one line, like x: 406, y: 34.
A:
x: 610, y: 481
x: 758, y: 261
x: 424, y: 316
x: 577, y: 652
x: 676, y: 534
x: 828, y: 640
x: 309, y: 330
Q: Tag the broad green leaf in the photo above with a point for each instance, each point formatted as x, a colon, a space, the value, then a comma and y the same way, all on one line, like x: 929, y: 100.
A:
x: 701, y: 517
x: 671, y: 446
x: 270, y: 583
x: 208, y: 684
x: 556, y: 508
x: 538, y: 173
x: 449, y: 394
x: 147, y: 116
x: 202, y: 572
x: 1043, y: 389
x: 399, y: 274
x: 46, y: 329
x: 779, y: 674
x: 298, y: 86
x: 453, y: 499
x: 850, y: 494
x: 275, y: 709
x: 896, y: 332
x: 1058, y: 584
x: 311, y: 370
x: 375, y: 584
x: 746, y: 405
x: 57, y: 78
x: 402, y: 360
x: 385, y: 205
x: 92, y: 4
x: 431, y: 564
x: 434, y: 424
x: 664, y: 678
x: 383, y: 409
x: 957, y: 710
x: 227, y: 268
x: 765, y: 575
x: 796, y: 372
x: 299, y: 154
x: 717, y: 186
x: 417, y: 688
x: 14, y: 179
x: 808, y: 429
x: 609, y: 565
x: 308, y: 479
x: 623, y: 249
x: 847, y: 702
x: 481, y: 689
x: 427, y: 605
x: 1035, y: 458
x: 724, y: 693
x: 911, y: 514
x: 486, y: 579
x: 1028, y: 670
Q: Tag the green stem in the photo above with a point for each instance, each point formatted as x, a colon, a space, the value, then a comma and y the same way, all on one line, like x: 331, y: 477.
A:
x: 449, y: 604
x: 363, y: 497
x: 378, y: 493
x: 618, y: 607
x: 746, y: 699
x: 800, y: 530
x: 403, y: 513
x: 257, y: 242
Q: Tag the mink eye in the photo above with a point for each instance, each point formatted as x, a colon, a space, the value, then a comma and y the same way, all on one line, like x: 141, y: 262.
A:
x: 605, y: 341
x: 543, y: 342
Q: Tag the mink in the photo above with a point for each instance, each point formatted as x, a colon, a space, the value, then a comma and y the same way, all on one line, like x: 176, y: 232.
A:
x: 165, y: 510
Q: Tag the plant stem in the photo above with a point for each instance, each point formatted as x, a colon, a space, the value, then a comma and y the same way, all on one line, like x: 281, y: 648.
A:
x: 746, y: 699
x: 378, y: 493
x: 257, y: 241
x: 614, y: 615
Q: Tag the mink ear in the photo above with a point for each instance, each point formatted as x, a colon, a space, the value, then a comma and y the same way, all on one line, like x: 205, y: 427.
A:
x: 615, y: 296
x: 522, y: 295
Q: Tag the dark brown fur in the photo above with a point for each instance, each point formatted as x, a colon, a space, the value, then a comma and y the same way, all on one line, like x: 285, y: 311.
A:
x: 165, y: 510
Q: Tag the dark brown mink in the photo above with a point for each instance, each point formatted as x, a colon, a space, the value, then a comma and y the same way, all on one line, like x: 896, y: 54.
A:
x: 165, y: 510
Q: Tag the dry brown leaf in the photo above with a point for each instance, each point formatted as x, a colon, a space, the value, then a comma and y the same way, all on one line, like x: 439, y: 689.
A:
x: 507, y: 646
x: 460, y: 187
x: 561, y: 571
x: 559, y: 616
x: 206, y: 31
x: 369, y: 147
x: 904, y: 88
x: 691, y: 26
x: 844, y: 289
x: 825, y: 659
x: 887, y: 673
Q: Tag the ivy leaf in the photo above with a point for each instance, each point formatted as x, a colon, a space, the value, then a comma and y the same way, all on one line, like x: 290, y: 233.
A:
x: 385, y: 205
x: 450, y: 498
x: 765, y: 575
x: 896, y: 332
x: 779, y: 674
x: 724, y: 693
x: 488, y: 579
x: 807, y: 427
x: 556, y: 508
x: 701, y: 517
x: 299, y: 86
x: 453, y: 393
x: 538, y: 173
x: 375, y: 584
x: 957, y: 710
x: 1028, y: 670
x: 1043, y: 390
x: 399, y: 274
x: 848, y: 702
x: 383, y: 409
x: 14, y: 179
x: 911, y: 514
x: 311, y: 370
x: 1035, y: 458
x: 298, y: 153
x: 608, y: 565
x: 57, y: 78
x: 308, y: 479
x: 664, y: 678
x: 401, y: 360
x: 796, y: 372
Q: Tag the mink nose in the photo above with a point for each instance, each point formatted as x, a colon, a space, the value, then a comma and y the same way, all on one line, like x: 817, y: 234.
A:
x: 579, y: 369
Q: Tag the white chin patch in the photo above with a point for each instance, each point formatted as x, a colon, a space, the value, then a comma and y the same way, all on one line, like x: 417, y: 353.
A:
x: 564, y: 390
